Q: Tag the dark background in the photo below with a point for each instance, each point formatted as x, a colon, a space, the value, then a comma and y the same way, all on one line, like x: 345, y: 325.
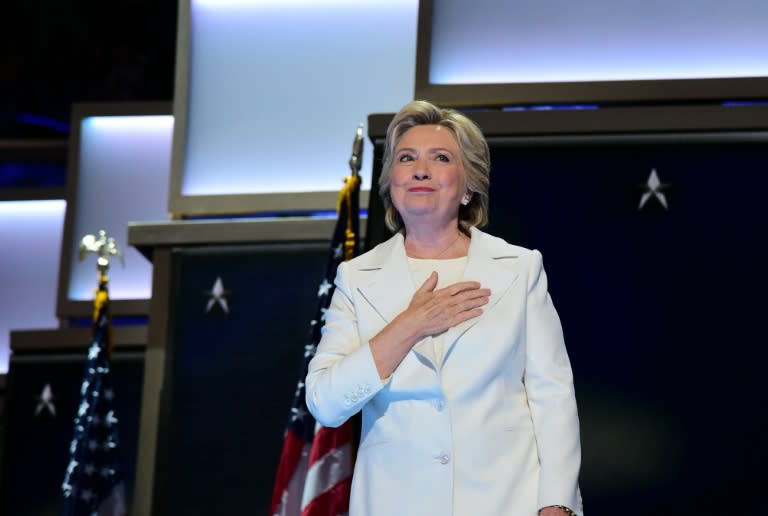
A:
x: 37, y: 451
x: 55, y: 53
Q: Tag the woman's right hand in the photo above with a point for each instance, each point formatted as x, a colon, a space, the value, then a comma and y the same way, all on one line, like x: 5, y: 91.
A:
x: 430, y: 312
x: 434, y: 311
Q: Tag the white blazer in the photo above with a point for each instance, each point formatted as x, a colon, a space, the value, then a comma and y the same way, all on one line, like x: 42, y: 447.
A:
x: 491, y: 430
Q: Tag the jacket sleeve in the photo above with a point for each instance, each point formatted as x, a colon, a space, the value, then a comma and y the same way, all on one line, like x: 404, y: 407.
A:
x: 549, y: 386
x: 342, y: 376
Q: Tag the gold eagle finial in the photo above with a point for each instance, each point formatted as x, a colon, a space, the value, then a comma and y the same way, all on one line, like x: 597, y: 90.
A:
x: 103, y: 246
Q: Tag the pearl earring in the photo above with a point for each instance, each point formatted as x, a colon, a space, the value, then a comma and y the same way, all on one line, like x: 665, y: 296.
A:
x: 465, y: 201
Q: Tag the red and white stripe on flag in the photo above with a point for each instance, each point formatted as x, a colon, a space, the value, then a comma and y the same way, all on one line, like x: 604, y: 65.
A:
x: 316, y: 478
x: 289, y: 483
x: 329, y: 476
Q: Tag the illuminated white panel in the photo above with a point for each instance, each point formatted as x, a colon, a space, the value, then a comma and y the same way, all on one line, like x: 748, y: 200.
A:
x: 278, y: 88
x: 525, y: 41
x: 30, y: 248
x: 122, y: 177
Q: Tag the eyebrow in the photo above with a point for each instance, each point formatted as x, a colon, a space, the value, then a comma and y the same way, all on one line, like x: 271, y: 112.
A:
x: 433, y: 149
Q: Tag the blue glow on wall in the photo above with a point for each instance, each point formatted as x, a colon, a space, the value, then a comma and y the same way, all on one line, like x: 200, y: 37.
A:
x: 277, y: 89
x: 30, y: 232
x: 525, y: 41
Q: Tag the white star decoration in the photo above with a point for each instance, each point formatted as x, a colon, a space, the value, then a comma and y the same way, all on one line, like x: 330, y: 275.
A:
x: 217, y: 294
x: 337, y: 251
x: 45, y: 401
x: 654, y: 187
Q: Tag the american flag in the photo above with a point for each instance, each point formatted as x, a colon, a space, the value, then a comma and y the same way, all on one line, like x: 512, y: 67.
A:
x: 93, y: 482
x: 315, y: 471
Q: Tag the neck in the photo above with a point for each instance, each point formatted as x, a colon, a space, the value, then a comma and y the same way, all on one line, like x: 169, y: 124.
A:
x: 447, y: 243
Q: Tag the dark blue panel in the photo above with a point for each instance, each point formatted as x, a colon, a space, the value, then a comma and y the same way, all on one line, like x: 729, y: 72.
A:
x: 36, y: 451
x: 663, y: 310
x: 230, y: 377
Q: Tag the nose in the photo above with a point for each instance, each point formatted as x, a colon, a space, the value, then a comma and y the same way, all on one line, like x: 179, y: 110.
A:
x: 421, y: 173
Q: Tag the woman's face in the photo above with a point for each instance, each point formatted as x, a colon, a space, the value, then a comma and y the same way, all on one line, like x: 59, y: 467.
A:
x: 428, y: 179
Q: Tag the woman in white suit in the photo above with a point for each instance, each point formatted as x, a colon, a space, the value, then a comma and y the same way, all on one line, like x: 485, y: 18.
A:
x: 447, y: 340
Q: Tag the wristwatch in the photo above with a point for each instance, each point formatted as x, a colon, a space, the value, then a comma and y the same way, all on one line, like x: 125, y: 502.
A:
x: 568, y: 511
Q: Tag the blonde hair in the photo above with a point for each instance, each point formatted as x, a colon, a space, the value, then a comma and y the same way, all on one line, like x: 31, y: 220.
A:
x: 474, y: 154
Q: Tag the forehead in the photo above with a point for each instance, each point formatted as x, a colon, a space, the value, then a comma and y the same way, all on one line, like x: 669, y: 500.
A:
x: 429, y: 136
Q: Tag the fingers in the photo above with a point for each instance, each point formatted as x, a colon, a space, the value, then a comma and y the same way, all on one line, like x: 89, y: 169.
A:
x: 455, y: 295
x: 470, y: 300
x: 449, y: 311
x: 466, y: 315
x: 459, y: 287
x: 429, y: 284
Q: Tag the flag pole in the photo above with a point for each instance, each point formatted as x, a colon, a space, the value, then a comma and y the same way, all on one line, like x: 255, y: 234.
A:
x: 93, y: 481
x: 356, y: 160
x: 301, y: 487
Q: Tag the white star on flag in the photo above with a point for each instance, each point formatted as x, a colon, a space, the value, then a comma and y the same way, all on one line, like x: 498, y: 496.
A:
x: 325, y: 287
x: 298, y: 413
x: 93, y: 351
x: 111, y: 419
x: 217, y: 294
x: 654, y: 186
x: 45, y: 401
x: 337, y: 251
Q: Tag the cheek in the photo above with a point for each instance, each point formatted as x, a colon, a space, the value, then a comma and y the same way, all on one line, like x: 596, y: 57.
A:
x: 451, y: 178
x: 398, y: 176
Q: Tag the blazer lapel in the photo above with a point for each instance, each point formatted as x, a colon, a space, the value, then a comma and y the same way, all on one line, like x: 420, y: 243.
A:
x: 482, y: 266
x: 390, y: 290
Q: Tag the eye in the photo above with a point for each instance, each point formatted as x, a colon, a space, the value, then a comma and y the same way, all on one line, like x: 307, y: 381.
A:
x: 443, y: 157
x: 405, y: 157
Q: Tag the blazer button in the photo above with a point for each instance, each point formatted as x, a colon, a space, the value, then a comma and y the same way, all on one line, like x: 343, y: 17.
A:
x: 444, y: 459
x: 439, y: 405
